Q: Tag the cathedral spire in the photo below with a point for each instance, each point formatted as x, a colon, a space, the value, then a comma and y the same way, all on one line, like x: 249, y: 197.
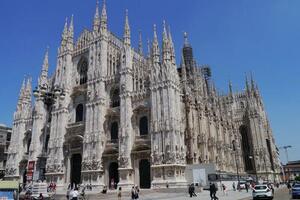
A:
x: 140, y: 49
x: 165, y: 45
x: 165, y: 37
x: 65, y: 31
x: 43, y: 79
x: 28, y: 89
x: 183, y: 68
x: 173, y: 59
x: 186, y: 41
x: 155, y: 47
x: 71, y: 29
x: 96, y: 23
x: 126, y: 35
x: 247, y: 84
x: 252, y: 82
x: 148, y: 48
x: 103, y: 20
x: 230, y: 88
x: 22, y: 90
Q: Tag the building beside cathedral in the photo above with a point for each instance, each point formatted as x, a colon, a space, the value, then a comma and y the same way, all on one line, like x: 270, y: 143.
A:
x: 5, y: 136
x: 113, y: 114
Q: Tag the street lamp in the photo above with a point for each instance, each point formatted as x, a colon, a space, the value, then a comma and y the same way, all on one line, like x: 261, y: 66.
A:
x: 286, y: 151
x: 254, y: 162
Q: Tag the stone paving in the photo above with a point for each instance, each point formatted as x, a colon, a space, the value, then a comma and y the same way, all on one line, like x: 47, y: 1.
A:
x: 159, y: 195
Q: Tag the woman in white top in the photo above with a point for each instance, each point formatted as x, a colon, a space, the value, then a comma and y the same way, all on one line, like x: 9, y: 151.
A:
x: 75, y: 194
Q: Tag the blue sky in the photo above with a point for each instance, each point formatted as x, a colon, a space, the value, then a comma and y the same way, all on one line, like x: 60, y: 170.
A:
x: 234, y: 37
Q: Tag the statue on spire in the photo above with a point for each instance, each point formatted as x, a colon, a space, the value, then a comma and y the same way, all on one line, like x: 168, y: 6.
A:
x: 140, y: 48
x: 126, y: 36
x: 96, y: 23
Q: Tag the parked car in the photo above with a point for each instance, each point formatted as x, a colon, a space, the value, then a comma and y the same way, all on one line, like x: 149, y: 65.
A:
x: 296, y: 191
x: 262, y: 192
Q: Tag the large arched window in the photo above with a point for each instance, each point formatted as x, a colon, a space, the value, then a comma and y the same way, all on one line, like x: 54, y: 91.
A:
x: 114, y: 131
x: 144, y: 126
x: 79, y: 113
x: 115, y: 98
x: 82, y: 70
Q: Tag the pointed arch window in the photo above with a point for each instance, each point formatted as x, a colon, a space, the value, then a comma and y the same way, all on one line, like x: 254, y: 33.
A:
x: 79, y: 113
x: 114, y: 131
x: 115, y: 98
x: 82, y: 70
x: 143, y: 126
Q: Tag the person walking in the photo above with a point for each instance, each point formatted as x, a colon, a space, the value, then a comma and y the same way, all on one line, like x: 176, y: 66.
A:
x: 193, y: 190
x: 120, y: 193
x: 213, y: 191
x: 246, y: 187
x: 233, y: 186
x: 190, y: 190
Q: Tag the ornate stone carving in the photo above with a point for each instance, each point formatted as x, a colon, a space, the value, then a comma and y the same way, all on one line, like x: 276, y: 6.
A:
x: 10, y: 171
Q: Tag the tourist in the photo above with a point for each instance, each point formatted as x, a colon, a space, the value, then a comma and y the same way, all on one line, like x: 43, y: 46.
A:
x: 132, y: 193
x: 120, y: 193
x: 246, y: 187
x: 41, y: 197
x: 137, y: 191
x: 75, y: 194
x: 289, y: 187
x: 112, y: 184
x: 104, y: 190
x: 213, y: 191
x: 224, y: 189
x: 233, y: 186
x: 192, y: 190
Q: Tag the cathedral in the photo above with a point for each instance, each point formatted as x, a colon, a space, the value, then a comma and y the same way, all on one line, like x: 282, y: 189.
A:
x: 112, y: 115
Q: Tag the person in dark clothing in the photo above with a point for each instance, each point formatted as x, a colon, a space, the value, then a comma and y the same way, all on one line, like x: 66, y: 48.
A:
x: 192, y: 190
x: 213, y: 191
x: 132, y: 193
x: 246, y: 187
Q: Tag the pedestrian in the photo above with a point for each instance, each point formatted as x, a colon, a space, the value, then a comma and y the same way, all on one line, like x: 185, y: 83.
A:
x: 75, y: 194
x: 224, y: 189
x: 190, y: 190
x: 132, y: 193
x: 289, y: 187
x: 112, y: 184
x: 233, y: 186
x: 246, y: 187
x: 213, y: 191
x: 120, y: 193
x: 137, y: 191
x: 41, y: 197
x: 193, y: 190
x: 104, y: 189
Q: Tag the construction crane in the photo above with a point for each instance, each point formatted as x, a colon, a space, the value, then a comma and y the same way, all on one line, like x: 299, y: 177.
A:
x: 286, y: 151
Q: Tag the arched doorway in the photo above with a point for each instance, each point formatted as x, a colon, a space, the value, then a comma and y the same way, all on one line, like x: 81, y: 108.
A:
x: 144, y: 168
x: 113, y: 175
x: 246, y: 147
x: 76, y: 168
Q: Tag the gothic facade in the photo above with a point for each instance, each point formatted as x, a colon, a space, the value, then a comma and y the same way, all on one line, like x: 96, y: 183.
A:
x: 111, y: 114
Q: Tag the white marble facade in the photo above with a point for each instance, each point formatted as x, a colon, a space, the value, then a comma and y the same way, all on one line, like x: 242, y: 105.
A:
x: 110, y: 112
